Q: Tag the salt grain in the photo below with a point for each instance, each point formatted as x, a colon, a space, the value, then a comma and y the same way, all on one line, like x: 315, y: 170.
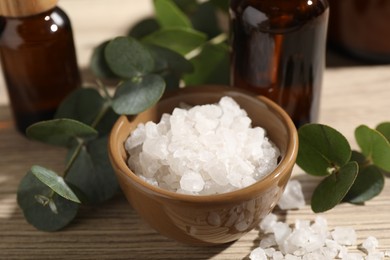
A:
x: 258, y: 254
x: 202, y: 150
x: 312, y: 241
x: 370, y: 244
x: 344, y: 235
x: 292, y: 197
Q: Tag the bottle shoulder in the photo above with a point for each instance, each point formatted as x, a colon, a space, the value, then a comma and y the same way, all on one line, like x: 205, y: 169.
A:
x: 36, y: 28
x: 277, y: 15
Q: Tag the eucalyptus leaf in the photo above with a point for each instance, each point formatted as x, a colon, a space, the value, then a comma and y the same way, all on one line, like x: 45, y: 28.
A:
x: 334, y: 187
x: 144, y: 27
x: 205, y: 19
x: 181, y: 40
x: 359, y: 158
x: 368, y: 184
x: 374, y: 146
x: 127, y: 58
x: 321, y: 149
x: 85, y: 105
x: 384, y: 128
x: 106, y: 122
x: 211, y: 66
x: 98, y: 63
x: 82, y: 105
x: 169, y: 15
x: 61, y: 132
x: 170, y: 65
x: 168, y: 60
x: 41, y: 207
x: 187, y: 6
x: 92, y: 173
x: 55, y: 182
x: 133, y: 97
x: 222, y: 4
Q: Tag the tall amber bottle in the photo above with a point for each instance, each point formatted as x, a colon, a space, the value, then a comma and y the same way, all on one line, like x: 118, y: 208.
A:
x: 278, y: 50
x: 38, y: 58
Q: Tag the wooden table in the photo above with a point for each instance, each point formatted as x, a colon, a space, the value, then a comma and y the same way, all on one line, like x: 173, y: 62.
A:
x: 352, y: 94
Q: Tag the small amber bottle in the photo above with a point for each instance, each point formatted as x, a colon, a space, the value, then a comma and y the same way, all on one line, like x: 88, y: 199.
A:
x: 38, y: 58
x: 360, y: 28
x: 278, y: 50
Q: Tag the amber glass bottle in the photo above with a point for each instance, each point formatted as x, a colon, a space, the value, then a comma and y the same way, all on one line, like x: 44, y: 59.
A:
x: 361, y: 28
x: 278, y: 50
x: 38, y: 58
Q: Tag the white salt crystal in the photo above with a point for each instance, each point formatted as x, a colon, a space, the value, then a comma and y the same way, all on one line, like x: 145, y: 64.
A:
x: 292, y: 197
x: 278, y: 255
x: 370, y: 244
x: 314, y: 256
x: 270, y: 251
x: 292, y: 257
x: 138, y: 137
x: 267, y: 222
x: 204, y: 150
x: 258, y: 254
x: 375, y: 256
x: 353, y: 256
x: 268, y: 241
x: 344, y: 235
x: 192, y: 181
x: 281, y: 231
x: 313, y: 242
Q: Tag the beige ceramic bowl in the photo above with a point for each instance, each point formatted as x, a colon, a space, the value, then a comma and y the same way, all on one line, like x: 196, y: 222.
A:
x: 213, y: 219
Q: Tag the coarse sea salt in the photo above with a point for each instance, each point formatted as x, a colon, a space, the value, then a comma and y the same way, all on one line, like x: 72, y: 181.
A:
x: 202, y: 150
x: 306, y: 240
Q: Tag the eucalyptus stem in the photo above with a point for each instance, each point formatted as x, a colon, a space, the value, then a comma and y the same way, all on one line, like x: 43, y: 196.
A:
x: 105, y: 90
x: 220, y: 38
x: 103, y: 111
x: 73, y: 158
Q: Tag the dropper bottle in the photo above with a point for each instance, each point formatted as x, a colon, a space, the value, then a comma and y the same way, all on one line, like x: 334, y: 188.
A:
x: 38, y: 58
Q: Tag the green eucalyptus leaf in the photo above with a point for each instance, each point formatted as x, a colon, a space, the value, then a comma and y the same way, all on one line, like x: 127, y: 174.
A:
x: 92, y: 173
x: 98, y: 63
x: 368, y: 184
x: 211, y: 66
x: 321, y: 149
x: 384, y: 128
x: 187, y: 6
x: 359, y: 158
x: 205, y: 19
x: 82, y: 105
x: 181, y: 40
x: 374, y: 146
x: 222, y: 4
x: 168, y: 60
x: 107, y: 122
x: 127, y: 58
x: 170, y: 65
x: 61, y: 132
x: 55, y: 182
x: 144, y: 27
x: 169, y: 15
x: 133, y: 97
x: 334, y: 187
x: 43, y: 209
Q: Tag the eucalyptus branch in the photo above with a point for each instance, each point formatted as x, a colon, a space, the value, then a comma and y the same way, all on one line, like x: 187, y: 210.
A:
x: 216, y: 40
